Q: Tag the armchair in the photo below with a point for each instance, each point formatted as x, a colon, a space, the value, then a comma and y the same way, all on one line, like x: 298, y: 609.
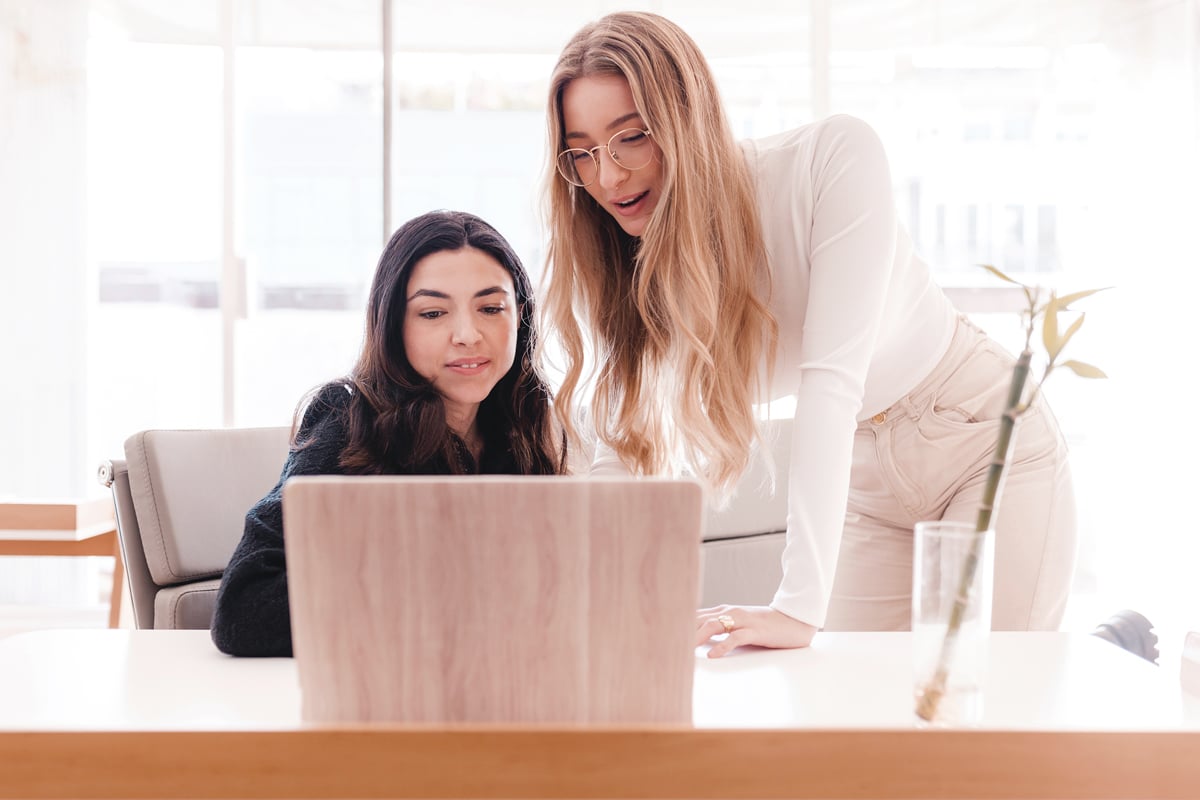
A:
x: 181, y: 498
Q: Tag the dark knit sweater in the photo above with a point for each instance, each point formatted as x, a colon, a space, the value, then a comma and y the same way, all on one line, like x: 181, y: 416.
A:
x: 252, y: 617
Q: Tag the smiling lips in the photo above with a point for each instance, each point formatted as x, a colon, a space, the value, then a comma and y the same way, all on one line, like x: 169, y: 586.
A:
x: 468, y: 366
x: 629, y: 205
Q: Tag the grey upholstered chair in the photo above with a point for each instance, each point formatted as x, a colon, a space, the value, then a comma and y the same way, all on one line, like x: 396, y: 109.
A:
x: 742, y: 557
x: 181, y: 499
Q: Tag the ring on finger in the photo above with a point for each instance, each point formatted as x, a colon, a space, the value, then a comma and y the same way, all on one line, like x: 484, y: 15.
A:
x: 726, y: 622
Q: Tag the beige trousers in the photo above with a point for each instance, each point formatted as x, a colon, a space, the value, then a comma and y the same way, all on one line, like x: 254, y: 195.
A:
x: 926, y: 458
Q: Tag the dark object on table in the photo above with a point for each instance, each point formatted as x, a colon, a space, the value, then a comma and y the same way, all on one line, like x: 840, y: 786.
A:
x: 1132, y: 631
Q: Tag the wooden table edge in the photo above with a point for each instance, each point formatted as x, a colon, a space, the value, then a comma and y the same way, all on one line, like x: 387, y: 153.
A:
x: 509, y: 763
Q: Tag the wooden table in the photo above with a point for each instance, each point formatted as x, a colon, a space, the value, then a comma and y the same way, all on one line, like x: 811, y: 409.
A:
x: 65, y: 528
x: 1068, y: 716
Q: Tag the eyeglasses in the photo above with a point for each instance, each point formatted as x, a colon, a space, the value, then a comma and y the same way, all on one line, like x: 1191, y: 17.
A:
x: 630, y: 149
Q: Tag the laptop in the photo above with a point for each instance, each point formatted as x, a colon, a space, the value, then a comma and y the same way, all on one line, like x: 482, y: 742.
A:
x: 444, y: 599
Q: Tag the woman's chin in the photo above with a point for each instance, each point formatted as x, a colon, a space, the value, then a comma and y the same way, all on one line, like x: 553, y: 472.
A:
x: 634, y: 226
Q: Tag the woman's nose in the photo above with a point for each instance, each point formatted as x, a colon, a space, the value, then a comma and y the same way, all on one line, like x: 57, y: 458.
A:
x: 611, y: 173
x: 465, y: 332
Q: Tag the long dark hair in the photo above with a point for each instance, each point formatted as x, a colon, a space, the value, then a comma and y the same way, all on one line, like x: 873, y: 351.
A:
x: 395, y: 418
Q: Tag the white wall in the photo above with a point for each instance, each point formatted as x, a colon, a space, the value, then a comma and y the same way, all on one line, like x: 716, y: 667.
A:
x: 43, y: 275
x: 43, y: 47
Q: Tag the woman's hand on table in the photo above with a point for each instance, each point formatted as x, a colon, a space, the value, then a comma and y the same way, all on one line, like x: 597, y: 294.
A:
x: 757, y: 625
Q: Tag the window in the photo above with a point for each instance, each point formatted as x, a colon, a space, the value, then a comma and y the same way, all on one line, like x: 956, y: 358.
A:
x: 215, y: 237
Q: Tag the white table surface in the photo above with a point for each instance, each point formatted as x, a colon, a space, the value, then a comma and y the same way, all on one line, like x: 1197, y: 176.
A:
x: 71, y: 680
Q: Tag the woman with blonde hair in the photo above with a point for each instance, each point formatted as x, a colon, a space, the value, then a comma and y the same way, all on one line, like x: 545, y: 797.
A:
x: 707, y: 277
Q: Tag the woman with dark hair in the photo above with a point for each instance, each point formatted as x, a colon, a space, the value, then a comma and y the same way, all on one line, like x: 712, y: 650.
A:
x: 446, y: 384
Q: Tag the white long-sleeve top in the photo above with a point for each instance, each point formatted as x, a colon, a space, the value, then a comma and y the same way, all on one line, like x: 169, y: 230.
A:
x: 861, y: 323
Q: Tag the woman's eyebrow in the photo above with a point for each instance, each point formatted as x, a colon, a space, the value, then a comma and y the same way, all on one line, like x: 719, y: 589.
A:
x: 616, y: 123
x: 429, y: 293
x: 443, y: 296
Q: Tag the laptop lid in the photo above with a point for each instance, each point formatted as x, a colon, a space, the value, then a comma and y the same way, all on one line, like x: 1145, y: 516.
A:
x: 493, y: 598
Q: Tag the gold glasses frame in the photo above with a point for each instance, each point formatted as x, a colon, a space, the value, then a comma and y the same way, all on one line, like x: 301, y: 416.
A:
x: 570, y: 173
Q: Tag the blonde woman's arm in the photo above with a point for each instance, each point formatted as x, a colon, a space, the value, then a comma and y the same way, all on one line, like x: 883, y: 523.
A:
x: 851, y: 253
x: 843, y: 264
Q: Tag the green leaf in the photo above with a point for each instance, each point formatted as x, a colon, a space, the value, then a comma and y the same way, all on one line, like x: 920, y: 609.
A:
x: 1050, y: 327
x: 1084, y: 370
x: 1001, y: 275
x: 1066, y: 300
x: 1066, y: 337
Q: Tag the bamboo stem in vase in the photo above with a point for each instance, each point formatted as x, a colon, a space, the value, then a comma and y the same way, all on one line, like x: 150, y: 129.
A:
x: 931, y: 696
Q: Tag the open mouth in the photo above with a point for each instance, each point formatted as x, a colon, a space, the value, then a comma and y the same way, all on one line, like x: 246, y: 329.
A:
x: 631, y: 202
x: 630, y: 207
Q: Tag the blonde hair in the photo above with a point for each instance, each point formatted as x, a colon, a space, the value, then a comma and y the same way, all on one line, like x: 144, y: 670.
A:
x: 679, y: 321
